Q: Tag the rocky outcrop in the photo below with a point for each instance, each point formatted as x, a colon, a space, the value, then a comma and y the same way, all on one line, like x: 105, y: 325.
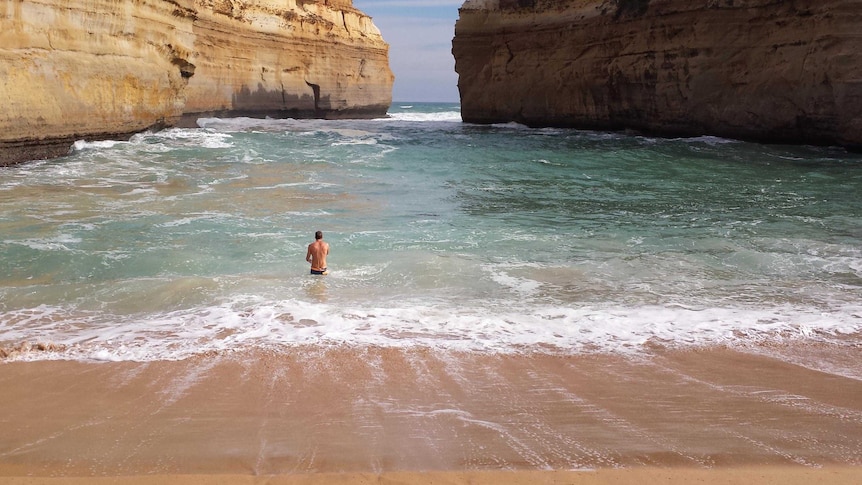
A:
x: 78, y: 69
x: 764, y: 70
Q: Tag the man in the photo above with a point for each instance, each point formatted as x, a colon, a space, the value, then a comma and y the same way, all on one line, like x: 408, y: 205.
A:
x: 316, y: 254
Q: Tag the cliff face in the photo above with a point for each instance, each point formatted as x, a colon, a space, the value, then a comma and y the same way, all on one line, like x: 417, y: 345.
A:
x: 77, y: 69
x: 766, y: 70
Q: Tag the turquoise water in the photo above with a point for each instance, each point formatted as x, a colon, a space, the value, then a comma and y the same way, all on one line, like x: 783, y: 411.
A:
x: 443, y: 234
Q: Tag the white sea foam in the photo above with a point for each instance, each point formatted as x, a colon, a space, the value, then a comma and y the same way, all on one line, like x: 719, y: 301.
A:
x: 442, y: 116
x: 523, y: 286
x: 145, y: 140
x: 511, y: 125
x: 142, y: 190
x: 81, y: 145
x: 252, y: 322
x: 182, y: 137
x: 60, y: 242
x: 355, y: 141
x: 709, y: 140
x: 188, y: 220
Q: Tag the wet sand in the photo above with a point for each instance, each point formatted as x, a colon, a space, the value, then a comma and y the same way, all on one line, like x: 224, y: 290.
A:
x: 382, y: 415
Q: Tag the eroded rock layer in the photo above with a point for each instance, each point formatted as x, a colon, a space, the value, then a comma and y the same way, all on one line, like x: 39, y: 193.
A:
x: 97, y: 69
x: 763, y: 70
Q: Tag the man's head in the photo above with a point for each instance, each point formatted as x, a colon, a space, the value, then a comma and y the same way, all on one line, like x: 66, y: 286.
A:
x: 318, y: 235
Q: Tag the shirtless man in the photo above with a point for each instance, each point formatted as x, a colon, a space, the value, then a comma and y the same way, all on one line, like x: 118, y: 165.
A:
x: 316, y: 254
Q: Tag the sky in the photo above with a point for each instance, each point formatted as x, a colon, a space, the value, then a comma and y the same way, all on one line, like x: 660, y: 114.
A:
x: 419, y: 33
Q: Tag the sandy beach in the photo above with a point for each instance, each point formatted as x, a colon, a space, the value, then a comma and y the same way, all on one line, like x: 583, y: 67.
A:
x: 384, y: 415
x: 762, y: 476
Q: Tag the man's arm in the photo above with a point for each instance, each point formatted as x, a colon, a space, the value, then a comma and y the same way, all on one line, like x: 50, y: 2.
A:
x: 308, y: 254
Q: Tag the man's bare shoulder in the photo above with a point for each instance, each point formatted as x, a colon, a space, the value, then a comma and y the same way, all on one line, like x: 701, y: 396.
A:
x: 318, y: 246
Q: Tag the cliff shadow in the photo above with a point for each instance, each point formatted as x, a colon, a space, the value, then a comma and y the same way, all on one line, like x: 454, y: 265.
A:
x: 278, y: 103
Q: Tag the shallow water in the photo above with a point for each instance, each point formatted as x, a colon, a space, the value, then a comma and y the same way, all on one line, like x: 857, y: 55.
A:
x: 447, y: 235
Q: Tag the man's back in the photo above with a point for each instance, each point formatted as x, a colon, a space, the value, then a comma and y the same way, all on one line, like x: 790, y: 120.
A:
x: 316, y: 255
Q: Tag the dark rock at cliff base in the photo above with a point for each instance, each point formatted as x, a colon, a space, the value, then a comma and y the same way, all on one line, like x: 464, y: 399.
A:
x: 763, y: 70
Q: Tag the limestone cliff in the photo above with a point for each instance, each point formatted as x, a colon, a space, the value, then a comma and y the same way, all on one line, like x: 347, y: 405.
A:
x: 766, y: 70
x: 77, y: 69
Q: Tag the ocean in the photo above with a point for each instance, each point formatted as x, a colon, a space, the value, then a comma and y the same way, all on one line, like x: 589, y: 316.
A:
x: 444, y: 235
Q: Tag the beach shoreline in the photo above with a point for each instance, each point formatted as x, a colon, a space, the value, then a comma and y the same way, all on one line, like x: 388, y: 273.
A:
x: 371, y: 414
